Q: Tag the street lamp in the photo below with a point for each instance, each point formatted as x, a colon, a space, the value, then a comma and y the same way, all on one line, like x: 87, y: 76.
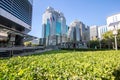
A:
x: 99, y: 42
x: 115, y: 35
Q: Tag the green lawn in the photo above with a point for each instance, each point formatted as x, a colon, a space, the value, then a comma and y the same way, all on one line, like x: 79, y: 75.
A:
x: 63, y: 65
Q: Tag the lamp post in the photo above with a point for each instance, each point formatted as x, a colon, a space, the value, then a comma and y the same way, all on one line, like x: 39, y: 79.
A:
x: 115, y: 35
x: 99, y: 42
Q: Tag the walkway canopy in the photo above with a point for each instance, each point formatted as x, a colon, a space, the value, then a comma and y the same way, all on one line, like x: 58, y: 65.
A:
x: 4, y: 31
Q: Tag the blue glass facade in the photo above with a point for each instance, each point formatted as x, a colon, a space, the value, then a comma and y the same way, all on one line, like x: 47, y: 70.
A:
x: 22, y: 9
x: 58, y: 28
x: 47, y: 28
x: 66, y: 29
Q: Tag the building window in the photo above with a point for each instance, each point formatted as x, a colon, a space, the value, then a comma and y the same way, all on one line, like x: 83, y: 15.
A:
x: 47, y: 28
x: 58, y: 28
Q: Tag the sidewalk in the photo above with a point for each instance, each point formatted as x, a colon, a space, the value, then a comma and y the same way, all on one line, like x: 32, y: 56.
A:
x: 31, y: 53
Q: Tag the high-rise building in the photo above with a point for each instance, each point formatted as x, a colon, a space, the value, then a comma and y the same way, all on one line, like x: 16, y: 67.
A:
x: 86, y: 36
x: 15, y: 20
x: 101, y: 31
x: 53, y: 27
x: 78, y: 32
x: 93, y: 32
x: 113, y: 22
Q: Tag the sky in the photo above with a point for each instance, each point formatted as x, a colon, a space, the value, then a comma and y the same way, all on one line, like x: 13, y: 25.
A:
x: 90, y: 12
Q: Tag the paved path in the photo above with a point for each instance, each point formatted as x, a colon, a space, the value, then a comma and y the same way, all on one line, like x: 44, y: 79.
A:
x: 30, y: 53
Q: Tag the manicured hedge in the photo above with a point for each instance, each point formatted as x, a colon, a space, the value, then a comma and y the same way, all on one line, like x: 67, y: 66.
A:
x: 63, y: 65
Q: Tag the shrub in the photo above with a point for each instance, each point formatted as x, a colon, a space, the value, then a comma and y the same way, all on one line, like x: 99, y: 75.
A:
x: 62, y: 65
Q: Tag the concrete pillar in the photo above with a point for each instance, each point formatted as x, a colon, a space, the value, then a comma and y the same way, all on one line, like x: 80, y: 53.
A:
x: 12, y: 39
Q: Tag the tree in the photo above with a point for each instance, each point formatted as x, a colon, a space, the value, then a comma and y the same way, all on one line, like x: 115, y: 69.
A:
x: 108, y: 35
x: 118, y: 38
x: 93, y: 44
x: 108, y: 39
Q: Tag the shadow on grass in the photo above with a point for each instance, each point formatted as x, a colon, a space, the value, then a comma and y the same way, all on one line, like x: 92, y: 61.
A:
x: 64, y: 50
x: 116, y: 74
x: 68, y: 51
x: 4, y: 58
x: 90, y: 49
x: 51, y: 52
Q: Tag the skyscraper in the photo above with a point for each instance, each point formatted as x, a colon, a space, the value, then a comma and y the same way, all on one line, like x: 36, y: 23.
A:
x: 54, y: 27
x: 93, y: 32
x: 78, y: 32
x: 15, y: 19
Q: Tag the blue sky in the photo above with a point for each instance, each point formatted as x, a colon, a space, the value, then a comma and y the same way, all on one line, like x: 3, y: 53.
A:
x: 90, y: 12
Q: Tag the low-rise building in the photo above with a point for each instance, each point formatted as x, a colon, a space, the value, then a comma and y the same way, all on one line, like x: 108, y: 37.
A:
x: 93, y: 32
x: 101, y: 31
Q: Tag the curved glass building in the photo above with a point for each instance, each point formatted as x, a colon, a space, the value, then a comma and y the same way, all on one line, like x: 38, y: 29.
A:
x: 78, y: 32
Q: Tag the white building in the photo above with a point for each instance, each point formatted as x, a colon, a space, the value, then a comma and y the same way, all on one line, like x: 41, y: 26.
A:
x: 54, y: 27
x: 113, y: 21
x: 101, y: 31
x: 93, y: 32
x: 78, y: 32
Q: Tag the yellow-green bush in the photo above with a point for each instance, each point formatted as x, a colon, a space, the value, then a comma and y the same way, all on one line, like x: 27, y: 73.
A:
x: 63, y: 65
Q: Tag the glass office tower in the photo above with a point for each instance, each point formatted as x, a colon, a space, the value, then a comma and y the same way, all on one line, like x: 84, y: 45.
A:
x: 78, y: 32
x: 58, y: 28
x: 15, y: 19
x: 54, y: 27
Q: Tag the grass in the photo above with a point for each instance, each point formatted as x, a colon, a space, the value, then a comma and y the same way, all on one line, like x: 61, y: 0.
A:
x: 63, y: 65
